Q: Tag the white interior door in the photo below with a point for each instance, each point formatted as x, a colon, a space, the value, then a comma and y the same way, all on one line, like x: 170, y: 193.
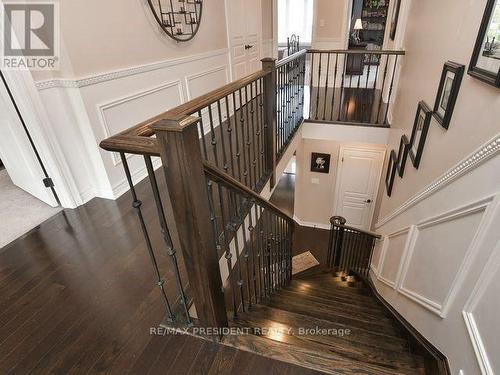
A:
x: 18, y: 155
x: 358, y: 180
x: 244, y: 20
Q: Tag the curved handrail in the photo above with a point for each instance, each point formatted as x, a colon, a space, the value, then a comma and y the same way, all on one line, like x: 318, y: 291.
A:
x: 223, y: 178
x: 287, y: 59
x: 378, y: 236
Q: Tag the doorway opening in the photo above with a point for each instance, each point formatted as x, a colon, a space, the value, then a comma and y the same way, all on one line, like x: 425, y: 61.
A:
x: 295, y: 19
x: 28, y: 197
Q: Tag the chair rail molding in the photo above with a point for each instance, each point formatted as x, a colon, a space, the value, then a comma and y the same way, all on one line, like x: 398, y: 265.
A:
x: 471, y: 162
x: 121, y: 73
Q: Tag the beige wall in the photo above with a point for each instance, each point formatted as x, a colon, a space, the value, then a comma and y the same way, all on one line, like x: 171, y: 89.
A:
x: 267, y: 19
x: 107, y: 35
x: 449, y: 34
x: 314, y: 202
x: 329, y: 20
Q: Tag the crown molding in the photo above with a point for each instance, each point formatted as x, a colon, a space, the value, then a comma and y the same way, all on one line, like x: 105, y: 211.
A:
x: 474, y: 160
x: 121, y: 73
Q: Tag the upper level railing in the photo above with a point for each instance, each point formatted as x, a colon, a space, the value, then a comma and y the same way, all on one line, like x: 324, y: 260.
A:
x: 217, y: 152
x: 350, y: 249
x: 352, y: 86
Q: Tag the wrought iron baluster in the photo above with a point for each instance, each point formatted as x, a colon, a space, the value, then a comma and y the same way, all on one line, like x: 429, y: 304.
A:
x: 230, y: 136
x: 225, y: 164
x: 319, y: 85
x: 326, y: 86
x: 342, y: 86
x: 166, y: 235
x: 242, y: 123
x: 213, y: 136
x: 311, y: 71
x: 251, y: 230
x: 137, y: 204
x: 202, y: 136
x: 254, y: 143
x: 238, y: 151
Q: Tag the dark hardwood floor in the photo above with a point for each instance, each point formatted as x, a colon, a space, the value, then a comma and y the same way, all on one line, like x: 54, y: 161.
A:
x: 355, y: 105
x: 78, y: 295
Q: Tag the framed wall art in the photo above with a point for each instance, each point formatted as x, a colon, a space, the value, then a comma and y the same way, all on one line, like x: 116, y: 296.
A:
x: 419, y: 132
x: 449, y: 85
x: 485, y: 60
x: 404, y: 148
x: 391, y: 172
x: 320, y: 162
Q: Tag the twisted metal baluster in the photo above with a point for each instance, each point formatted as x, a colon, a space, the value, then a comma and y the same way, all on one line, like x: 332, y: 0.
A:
x: 230, y: 135
x: 242, y: 122
x: 137, y: 204
x: 166, y: 235
x: 238, y: 152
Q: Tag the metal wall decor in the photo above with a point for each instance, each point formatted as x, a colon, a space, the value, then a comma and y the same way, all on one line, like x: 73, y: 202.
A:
x: 180, y: 19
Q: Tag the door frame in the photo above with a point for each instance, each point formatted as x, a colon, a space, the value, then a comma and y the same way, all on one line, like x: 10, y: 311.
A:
x: 338, y: 183
x: 228, y: 36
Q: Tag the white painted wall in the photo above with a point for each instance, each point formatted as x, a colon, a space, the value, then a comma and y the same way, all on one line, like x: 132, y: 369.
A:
x: 439, y: 261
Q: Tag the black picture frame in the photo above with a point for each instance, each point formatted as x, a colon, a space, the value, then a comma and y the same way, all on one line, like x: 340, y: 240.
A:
x: 391, y: 172
x: 449, y: 86
x: 317, y: 165
x: 474, y: 70
x: 395, y: 19
x: 404, y: 148
x: 419, y: 132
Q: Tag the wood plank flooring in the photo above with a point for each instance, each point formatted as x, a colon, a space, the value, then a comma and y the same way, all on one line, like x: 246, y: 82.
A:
x: 78, y: 296
x: 326, y: 323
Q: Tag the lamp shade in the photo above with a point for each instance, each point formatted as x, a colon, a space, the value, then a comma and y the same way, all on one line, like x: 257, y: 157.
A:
x: 358, y: 25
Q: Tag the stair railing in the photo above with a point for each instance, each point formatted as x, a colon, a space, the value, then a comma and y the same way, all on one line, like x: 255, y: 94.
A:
x: 226, y: 245
x: 352, y: 86
x: 350, y: 249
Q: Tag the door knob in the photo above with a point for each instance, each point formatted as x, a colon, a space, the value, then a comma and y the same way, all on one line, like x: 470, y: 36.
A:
x: 368, y: 201
x: 248, y: 46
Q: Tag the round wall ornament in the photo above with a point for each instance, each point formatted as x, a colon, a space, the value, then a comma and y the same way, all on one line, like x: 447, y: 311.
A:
x: 180, y: 19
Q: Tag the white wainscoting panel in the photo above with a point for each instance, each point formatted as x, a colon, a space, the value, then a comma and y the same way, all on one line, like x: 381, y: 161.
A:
x: 121, y: 114
x: 377, y: 254
x: 203, y: 82
x: 482, y: 318
x: 392, y: 257
x: 433, y: 269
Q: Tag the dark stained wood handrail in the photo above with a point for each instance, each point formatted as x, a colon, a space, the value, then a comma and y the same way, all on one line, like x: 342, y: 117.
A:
x: 375, y: 235
x: 219, y: 176
x: 287, y: 59
x: 357, y: 51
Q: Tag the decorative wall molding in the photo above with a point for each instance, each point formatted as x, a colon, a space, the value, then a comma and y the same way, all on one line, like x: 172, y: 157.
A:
x: 474, y: 160
x: 394, y: 283
x: 121, y: 73
x: 101, y: 109
x: 192, y: 77
x: 491, y: 270
x: 441, y: 309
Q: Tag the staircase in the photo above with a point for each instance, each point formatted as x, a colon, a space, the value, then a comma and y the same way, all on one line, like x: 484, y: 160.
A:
x: 361, y: 336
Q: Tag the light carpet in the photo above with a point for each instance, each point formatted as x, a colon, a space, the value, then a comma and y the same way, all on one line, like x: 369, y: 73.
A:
x: 19, y: 211
x: 303, y: 262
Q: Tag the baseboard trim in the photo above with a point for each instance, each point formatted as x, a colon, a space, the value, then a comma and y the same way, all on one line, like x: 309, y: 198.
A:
x: 436, y: 363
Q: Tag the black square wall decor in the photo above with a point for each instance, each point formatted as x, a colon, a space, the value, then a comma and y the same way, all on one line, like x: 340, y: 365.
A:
x: 320, y: 162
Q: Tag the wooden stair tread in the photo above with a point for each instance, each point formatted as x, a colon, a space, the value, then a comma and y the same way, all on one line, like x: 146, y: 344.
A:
x: 322, y: 312
x: 356, y: 293
x: 361, y: 309
x: 329, y: 345
x: 324, y: 362
x: 367, y: 338
x: 326, y: 294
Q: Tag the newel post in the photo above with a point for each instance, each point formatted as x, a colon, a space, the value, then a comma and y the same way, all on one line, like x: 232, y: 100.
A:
x: 187, y: 187
x: 269, y: 64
